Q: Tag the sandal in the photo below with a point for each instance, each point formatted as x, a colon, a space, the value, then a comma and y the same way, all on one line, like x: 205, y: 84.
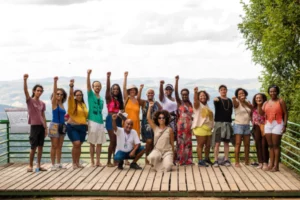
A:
x: 42, y: 169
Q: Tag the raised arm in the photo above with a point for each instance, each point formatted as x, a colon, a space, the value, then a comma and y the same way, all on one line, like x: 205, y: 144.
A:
x: 161, y: 91
x: 107, y: 93
x: 235, y: 102
x: 54, y: 102
x: 71, y: 93
x: 114, y: 124
x: 27, y: 96
x: 149, y: 119
x: 141, y: 101
x: 125, y: 95
x: 178, y: 100
x: 196, y: 100
x: 88, y: 80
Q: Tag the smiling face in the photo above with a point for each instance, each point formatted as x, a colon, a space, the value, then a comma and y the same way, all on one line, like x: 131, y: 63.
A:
x: 78, y: 96
x: 128, y: 125
x: 258, y: 99
x: 203, y: 98
x: 223, y: 91
x: 59, y: 95
x: 168, y: 91
x: 185, y: 95
x: 38, y: 92
x: 241, y: 95
x: 115, y: 90
x: 150, y: 95
x: 97, y: 87
x: 132, y: 92
x: 161, y: 119
x: 273, y: 93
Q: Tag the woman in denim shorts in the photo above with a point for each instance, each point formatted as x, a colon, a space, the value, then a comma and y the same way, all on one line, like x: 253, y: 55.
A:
x: 241, y: 127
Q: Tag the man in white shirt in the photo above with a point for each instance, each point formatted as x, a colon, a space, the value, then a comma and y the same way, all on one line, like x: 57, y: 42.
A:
x: 128, y: 144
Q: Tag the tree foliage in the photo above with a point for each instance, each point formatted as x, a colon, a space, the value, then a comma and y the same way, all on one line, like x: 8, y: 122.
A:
x: 271, y: 29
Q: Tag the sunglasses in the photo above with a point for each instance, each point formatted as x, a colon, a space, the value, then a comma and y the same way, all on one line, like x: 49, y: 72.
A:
x: 162, y: 118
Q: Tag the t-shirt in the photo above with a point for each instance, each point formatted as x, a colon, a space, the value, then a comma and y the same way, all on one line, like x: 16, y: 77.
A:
x: 168, y: 105
x: 35, y: 112
x: 95, y: 107
x: 126, y: 142
x: 81, y: 115
x: 223, y: 110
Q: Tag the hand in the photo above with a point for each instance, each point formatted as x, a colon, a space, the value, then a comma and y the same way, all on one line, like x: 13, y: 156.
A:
x: 216, y: 99
x: 89, y: 71
x: 162, y: 82
x: 196, y: 89
x: 46, y: 132
x: 177, y: 78
x: 71, y: 83
x: 125, y: 74
x: 108, y: 74
x: 234, y: 98
x: 283, y: 129
x: 26, y: 76
x: 142, y: 86
x: 151, y: 104
x: 114, y: 116
x: 132, y: 154
x: 55, y: 78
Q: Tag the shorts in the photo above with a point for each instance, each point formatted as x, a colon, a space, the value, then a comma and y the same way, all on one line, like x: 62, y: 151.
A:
x: 203, y: 130
x: 108, y: 122
x: 76, y: 132
x: 241, y: 129
x: 37, y: 136
x: 96, y: 133
x: 121, y: 155
x: 53, y: 130
x: 147, y: 133
x: 217, y: 132
x: 273, y: 127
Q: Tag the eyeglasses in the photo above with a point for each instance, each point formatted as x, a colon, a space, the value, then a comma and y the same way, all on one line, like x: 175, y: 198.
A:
x: 162, y: 118
x: 59, y: 94
x: 78, y: 95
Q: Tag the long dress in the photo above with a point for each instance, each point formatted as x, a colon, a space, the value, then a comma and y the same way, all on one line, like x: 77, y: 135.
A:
x: 161, y: 156
x: 133, y: 111
x: 146, y: 130
x: 184, y: 135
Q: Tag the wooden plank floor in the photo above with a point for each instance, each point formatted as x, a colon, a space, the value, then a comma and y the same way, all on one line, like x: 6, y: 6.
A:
x: 224, y: 181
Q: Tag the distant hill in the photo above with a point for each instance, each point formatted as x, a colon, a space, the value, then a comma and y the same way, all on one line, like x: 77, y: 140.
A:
x: 12, y: 94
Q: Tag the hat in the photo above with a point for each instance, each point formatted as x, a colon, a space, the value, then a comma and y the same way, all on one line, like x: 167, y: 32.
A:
x: 132, y: 87
x: 169, y: 86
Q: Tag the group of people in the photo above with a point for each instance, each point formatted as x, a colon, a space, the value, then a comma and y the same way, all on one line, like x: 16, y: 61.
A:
x: 166, y: 127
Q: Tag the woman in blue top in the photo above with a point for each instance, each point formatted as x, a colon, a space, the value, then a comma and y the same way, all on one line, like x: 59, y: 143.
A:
x: 96, y: 131
x: 58, y: 98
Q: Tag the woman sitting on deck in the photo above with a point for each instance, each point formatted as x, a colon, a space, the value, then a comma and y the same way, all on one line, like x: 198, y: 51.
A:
x: 162, y: 155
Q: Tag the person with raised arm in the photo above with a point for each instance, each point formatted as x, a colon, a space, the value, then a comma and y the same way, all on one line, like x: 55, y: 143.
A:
x: 202, y: 125
x: 276, y: 114
x: 162, y: 156
x: 146, y: 131
x: 222, y: 127
x: 77, y: 122
x: 241, y: 127
x: 128, y: 144
x: 96, y: 132
x: 37, y: 120
x: 132, y: 106
x: 258, y: 123
x: 114, y: 103
x: 57, y: 135
x: 184, y: 124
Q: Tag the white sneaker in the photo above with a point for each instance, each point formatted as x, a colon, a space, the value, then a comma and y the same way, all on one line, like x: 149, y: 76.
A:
x: 53, y: 168
x: 60, y: 166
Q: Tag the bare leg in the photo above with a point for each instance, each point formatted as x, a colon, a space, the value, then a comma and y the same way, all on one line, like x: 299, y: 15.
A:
x: 39, y: 156
x: 246, y: 140
x: 98, y: 153
x: 149, y: 148
x: 238, y: 140
x: 138, y: 156
x: 76, y: 152
x: 258, y: 144
x: 112, y: 147
x: 271, y: 150
x: 276, y: 140
x: 201, y: 140
x: 226, y: 150
x: 216, y: 150
x: 31, y: 157
x: 92, y: 153
x: 207, y: 146
x: 54, y: 146
x: 59, y: 148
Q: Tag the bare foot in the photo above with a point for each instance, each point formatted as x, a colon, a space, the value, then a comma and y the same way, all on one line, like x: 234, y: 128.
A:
x: 260, y: 165
x: 127, y: 162
x: 265, y: 167
x: 110, y: 165
x: 237, y: 165
x: 274, y: 169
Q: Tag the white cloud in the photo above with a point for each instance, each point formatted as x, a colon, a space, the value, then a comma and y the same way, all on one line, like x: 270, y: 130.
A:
x: 195, y: 39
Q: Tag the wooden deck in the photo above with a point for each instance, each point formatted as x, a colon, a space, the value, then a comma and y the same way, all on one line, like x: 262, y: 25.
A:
x: 246, y: 181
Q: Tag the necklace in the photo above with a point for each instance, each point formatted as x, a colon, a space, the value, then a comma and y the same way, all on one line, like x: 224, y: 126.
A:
x: 226, y: 109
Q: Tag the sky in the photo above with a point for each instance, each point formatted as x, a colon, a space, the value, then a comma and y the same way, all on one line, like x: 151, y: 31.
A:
x: 149, y: 38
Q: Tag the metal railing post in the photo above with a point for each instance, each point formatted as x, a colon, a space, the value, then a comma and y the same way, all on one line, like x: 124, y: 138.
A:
x: 8, y: 142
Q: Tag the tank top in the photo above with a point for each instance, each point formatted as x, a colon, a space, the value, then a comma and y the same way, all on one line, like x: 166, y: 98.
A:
x: 242, y: 115
x: 273, y: 111
x: 169, y: 105
x: 58, y: 115
x: 113, y: 106
x: 162, y: 140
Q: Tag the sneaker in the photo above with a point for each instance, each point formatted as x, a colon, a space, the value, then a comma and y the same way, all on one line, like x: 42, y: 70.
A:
x: 120, y: 165
x: 208, y: 161
x: 216, y: 164
x: 135, y: 166
x: 53, y: 168
x: 226, y: 163
x: 202, y: 163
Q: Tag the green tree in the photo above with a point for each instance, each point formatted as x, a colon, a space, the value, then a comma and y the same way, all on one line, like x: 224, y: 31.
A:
x: 271, y: 29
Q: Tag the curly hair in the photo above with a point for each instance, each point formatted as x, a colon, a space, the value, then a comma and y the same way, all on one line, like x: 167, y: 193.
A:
x: 64, y: 98
x: 163, y: 112
x: 237, y: 92
x: 274, y: 86
x: 206, y: 94
x: 263, y: 96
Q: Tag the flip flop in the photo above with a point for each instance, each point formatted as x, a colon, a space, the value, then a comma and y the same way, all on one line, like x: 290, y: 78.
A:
x: 42, y: 169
